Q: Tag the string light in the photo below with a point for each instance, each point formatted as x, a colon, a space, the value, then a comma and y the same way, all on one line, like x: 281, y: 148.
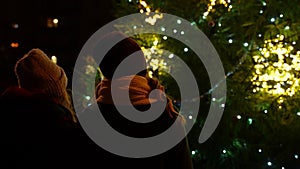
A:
x: 296, y: 156
x: 54, y: 59
x: 212, y: 4
x: 287, y: 28
x: 55, y: 21
x: 261, y: 11
x: 272, y: 19
x: 269, y: 163
x: 239, y: 117
x: 259, y: 150
x: 230, y: 41
x: 171, y: 55
x: 185, y: 49
x: 250, y: 121
x: 276, y: 78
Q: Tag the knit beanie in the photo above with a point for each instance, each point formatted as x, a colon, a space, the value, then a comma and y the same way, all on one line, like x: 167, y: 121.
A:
x: 119, y: 52
x: 36, y: 72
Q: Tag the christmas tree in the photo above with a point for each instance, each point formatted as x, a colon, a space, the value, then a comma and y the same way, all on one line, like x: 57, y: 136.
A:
x: 258, y: 43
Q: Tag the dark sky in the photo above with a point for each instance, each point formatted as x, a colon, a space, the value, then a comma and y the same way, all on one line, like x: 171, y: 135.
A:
x: 78, y: 20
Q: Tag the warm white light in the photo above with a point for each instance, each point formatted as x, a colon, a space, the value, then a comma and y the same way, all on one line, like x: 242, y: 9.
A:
x: 230, y: 41
x: 185, y: 49
x: 269, y: 163
x: 239, y: 117
x: 190, y: 117
x: 55, y: 21
x: 178, y: 21
x: 165, y: 37
x: 54, y: 59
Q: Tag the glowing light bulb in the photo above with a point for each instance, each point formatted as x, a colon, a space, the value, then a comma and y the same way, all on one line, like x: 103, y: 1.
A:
x: 224, y: 151
x: 193, y: 152
x: 165, y: 37
x: 287, y: 28
x: 185, y: 49
x: 182, y: 32
x: 230, y: 41
x: 190, y: 117
x: 171, y: 55
x: 272, y: 19
x: 261, y: 11
x: 269, y: 163
x: 265, y: 111
x: 296, y: 156
x: 55, y: 21
x: 54, y: 59
x: 259, y: 150
x: 239, y: 117
x: 246, y: 44
x: 250, y: 121
x: 174, y: 30
x: 178, y: 21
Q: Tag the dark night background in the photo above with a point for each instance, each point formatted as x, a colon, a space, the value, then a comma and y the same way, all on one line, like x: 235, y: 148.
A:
x: 25, y: 23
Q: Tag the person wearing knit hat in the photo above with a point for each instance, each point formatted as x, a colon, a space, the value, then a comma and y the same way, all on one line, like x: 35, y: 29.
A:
x: 36, y: 72
x: 39, y: 127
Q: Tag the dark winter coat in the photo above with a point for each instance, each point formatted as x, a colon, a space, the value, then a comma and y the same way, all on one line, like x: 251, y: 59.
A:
x: 176, y: 158
x: 35, y: 131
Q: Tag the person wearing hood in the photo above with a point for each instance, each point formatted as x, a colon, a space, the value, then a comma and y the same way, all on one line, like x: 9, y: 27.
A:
x: 138, y: 86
